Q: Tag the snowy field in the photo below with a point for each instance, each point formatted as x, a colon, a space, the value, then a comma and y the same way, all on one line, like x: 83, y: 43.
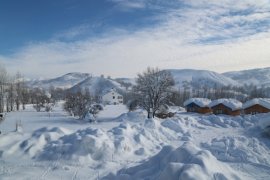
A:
x: 124, y: 146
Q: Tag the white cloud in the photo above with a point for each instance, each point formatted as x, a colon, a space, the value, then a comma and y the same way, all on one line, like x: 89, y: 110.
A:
x: 184, y: 39
x: 129, y: 4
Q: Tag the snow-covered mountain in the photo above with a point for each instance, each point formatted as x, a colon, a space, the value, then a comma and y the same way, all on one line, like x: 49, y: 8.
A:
x: 97, y: 85
x: 198, y: 78
x: 183, y: 78
x: 66, y: 81
x: 258, y: 77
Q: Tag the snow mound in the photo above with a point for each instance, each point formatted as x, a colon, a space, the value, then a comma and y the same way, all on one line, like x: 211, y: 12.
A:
x: 185, y: 162
x: 131, y: 117
x: 36, y: 142
x: 229, y: 121
x: 239, y: 149
x: 231, y: 103
x: 220, y: 121
x: 111, y: 112
x: 264, y: 123
x: 173, y: 125
x: 202, y: 102
x: 40, y: 138
x: 92, y: 144
x: 88, y: 143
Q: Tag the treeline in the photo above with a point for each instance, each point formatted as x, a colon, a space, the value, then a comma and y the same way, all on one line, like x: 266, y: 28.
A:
x: 14, y: 93
x: 243, y: 93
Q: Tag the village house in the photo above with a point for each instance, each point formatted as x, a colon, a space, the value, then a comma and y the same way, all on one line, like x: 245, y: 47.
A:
x: 111, y: 97
x: 198, y: 105
x: 226, y: 106
x: 257, y: 105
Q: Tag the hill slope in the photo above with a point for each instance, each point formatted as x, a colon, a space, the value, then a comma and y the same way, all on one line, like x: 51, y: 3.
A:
x: 65, y: 81
x: 197, y: 78
x: 97, y: 85
x: 258, y: 77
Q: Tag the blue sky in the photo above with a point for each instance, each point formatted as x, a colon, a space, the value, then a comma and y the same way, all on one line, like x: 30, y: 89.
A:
x: 123, y: 37
x: 38, y: 20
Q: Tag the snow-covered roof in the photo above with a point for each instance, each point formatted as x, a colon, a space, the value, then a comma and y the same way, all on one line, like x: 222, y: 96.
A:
x: 231, y: 103
x: 265, y: 102
x: 202, y: 102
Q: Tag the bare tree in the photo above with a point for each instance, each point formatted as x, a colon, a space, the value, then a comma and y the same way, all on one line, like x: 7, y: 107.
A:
x: 18, y: 89
x: 25, y: 96
x: 3, y: 85
x: 153, y: 89
x: 39, y: 98
x: 10, y: 97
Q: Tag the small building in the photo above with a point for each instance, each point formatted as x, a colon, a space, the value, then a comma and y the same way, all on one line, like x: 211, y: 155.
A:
x: 226, y: 106
x: 198, y: 105
x: 257, y: 105
x: 111, y: 97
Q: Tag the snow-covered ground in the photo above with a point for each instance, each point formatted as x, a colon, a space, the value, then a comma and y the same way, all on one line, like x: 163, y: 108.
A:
x: 127, y: 145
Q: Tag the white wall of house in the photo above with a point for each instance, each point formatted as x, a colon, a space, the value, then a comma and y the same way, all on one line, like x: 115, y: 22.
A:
x: 112, y: 97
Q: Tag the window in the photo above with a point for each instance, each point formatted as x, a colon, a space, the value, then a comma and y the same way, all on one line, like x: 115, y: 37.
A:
x: 120, y: 97
x: 219, y: 111
x: 113, y: 97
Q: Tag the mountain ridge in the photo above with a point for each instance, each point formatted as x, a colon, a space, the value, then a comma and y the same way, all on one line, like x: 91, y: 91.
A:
x: 192, y: 78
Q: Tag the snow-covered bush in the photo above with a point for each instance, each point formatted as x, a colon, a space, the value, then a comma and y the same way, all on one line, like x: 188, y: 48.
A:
x: 77, y: 104
x: 132, y: 105
x: 48, y: 107
x: 89, y: 117
x: 93, y: 111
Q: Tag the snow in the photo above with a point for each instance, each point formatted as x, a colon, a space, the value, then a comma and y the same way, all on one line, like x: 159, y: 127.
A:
x: 257, y: 77
x: 127, y: 145
x: 202, y: 102
x: 209, y: 78
x: 231, y: 103
x: 97, y: 85
x: 186, y: 162
x: 111, y: 111
x: 265, y: 102
x: 65, y: 81
x: 233, y: 149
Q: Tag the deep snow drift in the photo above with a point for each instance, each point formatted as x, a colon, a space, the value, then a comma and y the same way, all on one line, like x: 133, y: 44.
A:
x: 127, y: 145
x: 185, y: 162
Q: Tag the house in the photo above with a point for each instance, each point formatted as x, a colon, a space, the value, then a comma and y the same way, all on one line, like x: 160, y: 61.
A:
x: 226, y: 106
x: 111, y: 97
x: 198, y: 105
x: 257, y: 105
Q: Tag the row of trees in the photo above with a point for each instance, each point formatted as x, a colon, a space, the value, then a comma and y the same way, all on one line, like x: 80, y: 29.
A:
x: 240, y: 93
x: 13, y: 91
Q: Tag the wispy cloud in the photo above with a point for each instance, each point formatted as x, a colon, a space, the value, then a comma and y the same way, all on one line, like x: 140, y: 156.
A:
x: 199, y: 34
